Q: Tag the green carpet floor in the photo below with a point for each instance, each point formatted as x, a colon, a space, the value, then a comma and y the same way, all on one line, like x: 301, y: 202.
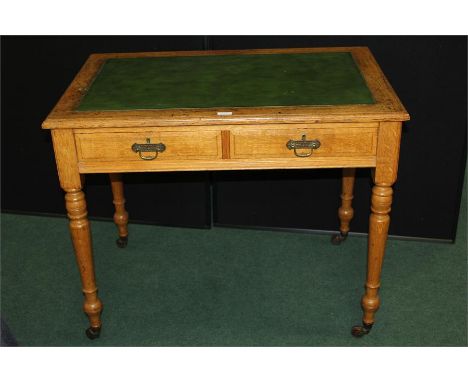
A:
x: 228, y: 287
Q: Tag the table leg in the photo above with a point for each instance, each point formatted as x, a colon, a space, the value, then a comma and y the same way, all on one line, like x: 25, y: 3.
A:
x: 345, y: 212
x: 120, y: 215
x: 384, y: 176
x: 81, y: 238
x: 379, y: 222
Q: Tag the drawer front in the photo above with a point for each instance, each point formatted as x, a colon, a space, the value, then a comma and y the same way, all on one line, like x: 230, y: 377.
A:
x: 304, y: 143
x: 176, y: 146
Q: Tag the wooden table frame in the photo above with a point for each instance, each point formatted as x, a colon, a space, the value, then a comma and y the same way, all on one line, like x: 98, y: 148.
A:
x: 76, y: 135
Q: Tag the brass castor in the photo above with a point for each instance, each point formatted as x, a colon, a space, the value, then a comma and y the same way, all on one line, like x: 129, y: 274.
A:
x: 360, y: 330
x: 338, y: 238
x: 93, y: 333
x: 122, y: 241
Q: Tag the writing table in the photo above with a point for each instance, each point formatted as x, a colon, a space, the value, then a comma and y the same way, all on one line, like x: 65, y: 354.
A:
x: 228, y: 110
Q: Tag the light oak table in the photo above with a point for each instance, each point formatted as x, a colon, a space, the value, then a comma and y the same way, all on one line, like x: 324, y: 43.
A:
x: 228, y: 110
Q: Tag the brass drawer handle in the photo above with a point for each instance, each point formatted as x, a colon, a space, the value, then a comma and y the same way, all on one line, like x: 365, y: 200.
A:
x: 303, y: 144
x: 148, y: 147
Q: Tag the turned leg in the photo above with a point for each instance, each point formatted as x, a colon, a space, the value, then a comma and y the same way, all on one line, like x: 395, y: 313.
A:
x: 72, y: 182
x: 378, y: 229
x: 120, y: 215
x: 345, y: 212
x: 81, y: 238
x: 384, y: 176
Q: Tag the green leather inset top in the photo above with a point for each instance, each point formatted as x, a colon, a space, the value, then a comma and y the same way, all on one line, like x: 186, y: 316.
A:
x: 227, y: 81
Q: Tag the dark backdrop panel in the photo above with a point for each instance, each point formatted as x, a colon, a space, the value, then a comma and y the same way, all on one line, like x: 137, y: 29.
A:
x: 292, y: 199
x: 429, y: 75
x: 35, y: 73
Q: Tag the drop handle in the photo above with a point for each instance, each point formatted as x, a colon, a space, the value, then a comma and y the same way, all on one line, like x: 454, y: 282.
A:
x: 303, y: 144
x: 148, y: 147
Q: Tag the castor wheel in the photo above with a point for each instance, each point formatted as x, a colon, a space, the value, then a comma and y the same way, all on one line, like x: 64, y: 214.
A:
x: 338, y: 238
x: 360, y: 330
x: 122, y: 241
x: 93, y: 333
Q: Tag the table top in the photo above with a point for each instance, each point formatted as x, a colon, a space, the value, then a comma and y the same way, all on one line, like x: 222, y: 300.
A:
x: 294, y: 79
x: 227, y: 87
